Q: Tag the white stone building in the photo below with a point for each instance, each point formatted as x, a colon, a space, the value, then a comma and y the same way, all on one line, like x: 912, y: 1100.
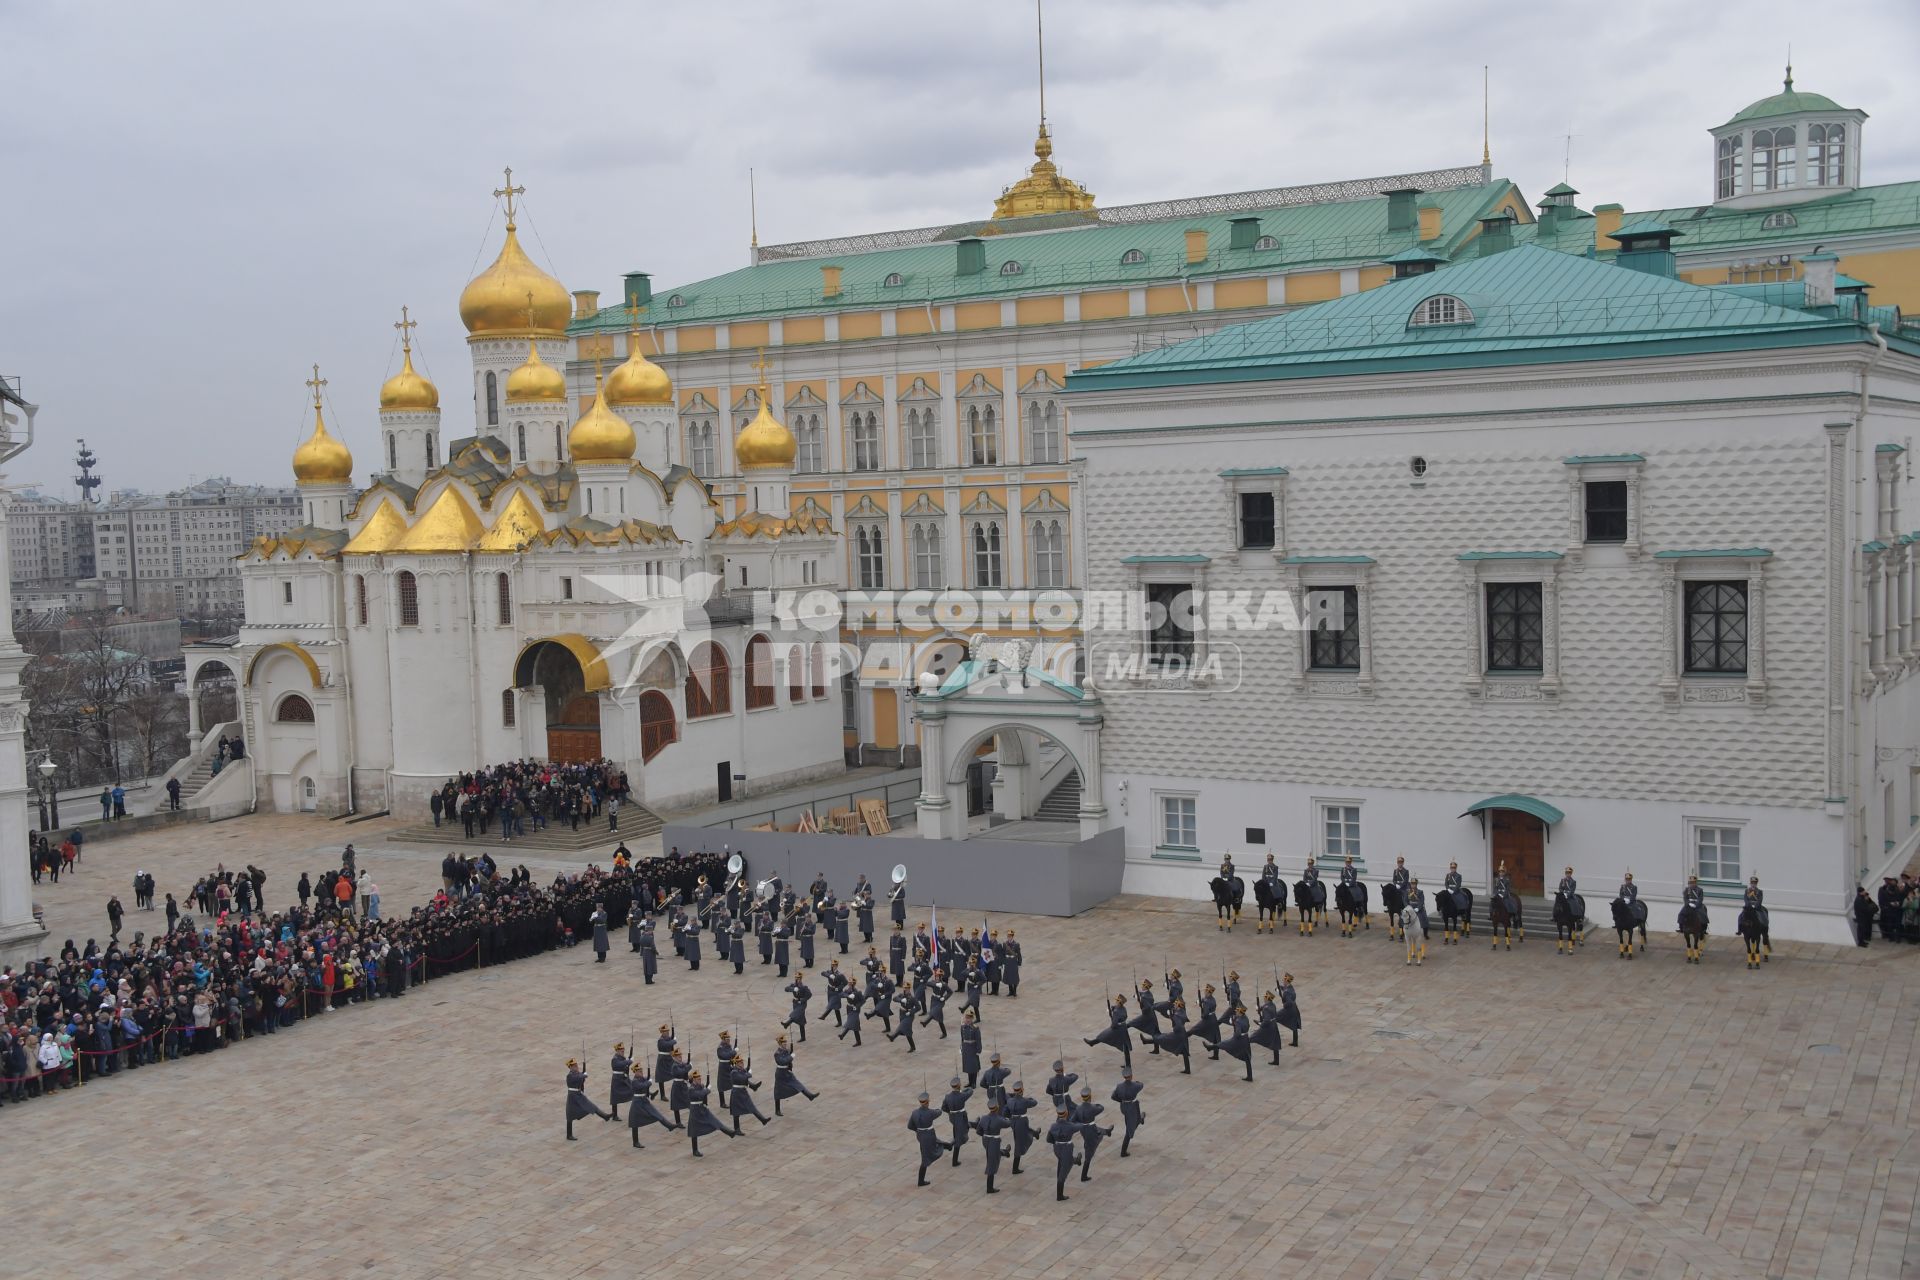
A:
x: 1602, y: 569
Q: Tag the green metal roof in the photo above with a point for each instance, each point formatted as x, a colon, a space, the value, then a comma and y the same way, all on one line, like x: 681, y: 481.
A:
x: 1232, y: 473
x: 1787, y: 103
x: 1510, y: 555
x: 1418, y: 253
x: 1582, y: 459
x: 1720, y: 553
x: 1646, y: 227
x: 1525, y: 804
x: 1561, y: 189
x: 1530, y: 305
x: 1185, y: 559
x: 1342, y: 232
x: 1862, y: 211
x: 1329, y: 560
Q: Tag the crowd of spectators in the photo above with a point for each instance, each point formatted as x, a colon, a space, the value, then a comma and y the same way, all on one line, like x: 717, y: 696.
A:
x: 531, y: 795
x: 1899, y: 909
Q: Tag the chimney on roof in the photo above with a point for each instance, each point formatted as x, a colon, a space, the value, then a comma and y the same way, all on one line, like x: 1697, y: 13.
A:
x: 970, y: 256
x: 829, y: 282
x: 1197, y: 244
x: 638, y: 289
x: 585, y: 303
x: 1646, y: 246
x: 1242, y: 232
x: 1818, y: 272
x: 1400, y: 210
x: 1429, y: 222
x: 1606, y: 221
x: 1496, y: 233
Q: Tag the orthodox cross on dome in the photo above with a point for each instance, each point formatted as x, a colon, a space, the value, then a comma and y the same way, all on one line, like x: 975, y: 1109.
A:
x: 760, y: 367
x: 509, y: 191
x: 406, y: 328
x: 633, y: 317
x: 316, y: 382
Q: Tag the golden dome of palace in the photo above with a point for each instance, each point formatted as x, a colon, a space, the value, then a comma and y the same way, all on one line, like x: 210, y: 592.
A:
x: 765, y: 442
x: 407, y: 390
x: 536, y: 380
x: 600, y: 435
x: 322, y: 459
x: 639, y: 382
x: 495, y: 301
x: 1045, y: 189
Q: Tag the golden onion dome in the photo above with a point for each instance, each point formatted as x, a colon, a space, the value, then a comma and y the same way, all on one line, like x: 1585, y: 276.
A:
x: 601, y: 435
x: 639, y: 382
x: 765, y: 443
x: 496, y: 301
x: 536, y: 380
x: 406, y: 390
x: 322, y: 459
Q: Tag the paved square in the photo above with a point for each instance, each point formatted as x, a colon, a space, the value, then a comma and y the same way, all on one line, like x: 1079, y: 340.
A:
x: 1489, y: 1114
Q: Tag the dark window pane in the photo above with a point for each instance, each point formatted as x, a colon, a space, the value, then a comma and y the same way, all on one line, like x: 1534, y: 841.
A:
x: 1256, y: 520
x: 1169, y: 621
x: 1717, y: 627
x: 1514, y: 626
x: 1607, y: 511
x: 1335, y: 638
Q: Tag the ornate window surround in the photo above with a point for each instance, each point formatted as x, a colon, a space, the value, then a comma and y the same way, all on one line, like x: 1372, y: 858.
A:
x: 1479, y: 569
x: 1303, y: 574
x: 1681, y: 567
x: 1271, y: 480
x: 1190, y: 570
x: 1583, y: 469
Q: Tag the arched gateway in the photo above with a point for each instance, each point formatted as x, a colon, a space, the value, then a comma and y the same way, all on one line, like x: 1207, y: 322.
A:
x: 570, y: 673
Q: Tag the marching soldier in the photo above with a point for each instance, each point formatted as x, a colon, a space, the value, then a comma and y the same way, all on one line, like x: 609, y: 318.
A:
x: 970, y: 1048
x: 1231, y: 990
x: 1289, y: 1008
x: 1239, y: 1044
x: 737, y: 945
x: 954, y: 1108
x: 837, y: 985
x: 921, y: 971
x: 1176, y: 1039
x: 1175, y: 989
x: 739, y: 1093
x: 1208, y: 1028
x: 1146, y: 1022
x: 1127, y: 1094
x: 801, y: 994
x: 1267, y: 1036
x: 700, y: 1118
x: 649, y: 952
x: 642, y: 1111
x: 619, y: 1084
x: 850, y: 1014
x: 971, y: 1001
x: 1116, y: 1033
x: 1060, y: 1086
x: 921, y: 1124
x: 579, y: 1105
x: 904, y: 1026
x: 994, y: 1079
x: 1010, y: 961
x: 722, y: 1075
x: 663, y: 1058
x: 897, y: 952
x: 785, y: 1083
x: 989, y: 1127
x: 679, y: 1084
x: 1024, y: 1134
x: 1060, y: 1135
x: 1087, y: 1115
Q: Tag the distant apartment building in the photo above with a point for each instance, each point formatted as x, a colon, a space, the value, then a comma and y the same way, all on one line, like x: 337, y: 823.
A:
x: 177, y: 551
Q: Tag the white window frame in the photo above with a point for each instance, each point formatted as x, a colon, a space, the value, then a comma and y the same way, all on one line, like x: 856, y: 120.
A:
x: 927, y: 541
x: 810, y: 444
x: 1191, y: 574
x: 1581, y: 471
x: 992, y: 532
x: 1047, y: 548
x: 1692, y: 827
x: 1271, y: 480
x: 1477, y: 575
x: 982, y: 419
x: 864, y: 429
x: 1677, y: 570
x: 873, y: 556
x: 1044, y: 428
x: 1319, y: 843
x: 1162, y: 800
x: 923, y: 437
x: 1306, y: 575
x: 1442, y: 310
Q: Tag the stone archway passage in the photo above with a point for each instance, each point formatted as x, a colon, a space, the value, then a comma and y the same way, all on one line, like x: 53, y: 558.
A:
x: 570, y: 686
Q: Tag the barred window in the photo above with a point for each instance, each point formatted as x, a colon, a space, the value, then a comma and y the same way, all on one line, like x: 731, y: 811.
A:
x: 1335, y: 647
x: 1717, y: 628
x: 506, y: 709
x: 1515, y: 627
x: 409, y: 592
x: 503, y: 599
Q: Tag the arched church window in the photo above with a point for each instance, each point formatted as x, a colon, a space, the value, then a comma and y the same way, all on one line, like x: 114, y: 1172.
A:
x: 796, y: 674
x: 709, y: 682
x: 657, y: 725
x: 520, y: 439
x: 1827, y: 155
x: 759, y: 673
x: 360, y: 598
x: 503, y: 598
x: 409, y: 592
x: 493, y: 400
x: 293, y: 709
x: 393, y: 452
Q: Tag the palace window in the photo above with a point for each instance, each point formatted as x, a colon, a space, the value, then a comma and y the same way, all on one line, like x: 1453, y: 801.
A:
x: 810, y: 454
x: 1515, y: 631
x: 1340, y: 830
x: 929, y: 559
x: 1731, y: 166
x: 1334, y: 640
x: 493, y: 400
x: 893, y: 281
x: 700, y: 446
x: 923, y: 438
x: 1779, y: 221
x: 286, y: 593
x: 503, y: 599
x: 709, y: 682
x: 566, y: 588
x: 1010, y: 268
x: 1827, y: 155
x: 1179, y: 822
x: 983, y: 436
x: 506, y: 709
x: 409, y: 592
x: 1170, y: 622
x: 866, y: 441
x: 869, y: 557
x: 677, y: 300
x: 986, y: 554
x: 657, y: 725
x: 1132, y: 258
x: 1441, y: 309
x: 1716, y: 628
x: 1043, y: 431
x: 1256, y: 519
x: 1606, y: 511
x: 1775, y: 159
x: 1266, y: 244
x: 759, y: 673
x: 1716, y: 853
x: 1049, y: 544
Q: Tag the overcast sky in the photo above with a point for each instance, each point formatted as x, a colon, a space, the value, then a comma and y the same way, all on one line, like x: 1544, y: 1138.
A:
x: 202, y: 200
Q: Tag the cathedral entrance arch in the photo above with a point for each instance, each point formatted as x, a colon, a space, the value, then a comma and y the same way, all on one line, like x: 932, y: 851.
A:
x: 214, y: 697
x: 570, y: 674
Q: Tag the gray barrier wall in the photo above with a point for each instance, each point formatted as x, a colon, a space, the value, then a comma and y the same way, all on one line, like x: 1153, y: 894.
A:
x: 1008, y: 876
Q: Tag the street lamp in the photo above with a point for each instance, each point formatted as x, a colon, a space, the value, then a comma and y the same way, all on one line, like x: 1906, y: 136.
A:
x: 47, y: 770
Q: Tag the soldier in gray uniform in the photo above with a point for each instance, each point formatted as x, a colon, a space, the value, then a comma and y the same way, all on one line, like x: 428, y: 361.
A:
x: 850, y: 1014
x: 954, y: 1108
x: 642, y: 1111
x: 690, y: 943
x: 994, y: 1080
x: 989, y: 1127
x: 837, y: 984
x: 1230, y: 988
x: 741, y: 1085
x: 1351, y: 879
x: 722, y: 1076
x: 921, y: 1124
x: 808, y: 928
x: 599, y: 922
x: 785, y: 1083
x: 897, y: 952
x: 619, y: 1085
x: 782, y: 945
x: 649, y: 951
x: 737, y: 945
x: 679, y: 1089
x: 970, y: 1048
x: 1568, y: 885
x: 1176, y: 1039
x: 1208, y: 1028
x: 1290, y: 1008
x: 904, y: 1024
x: 1267, y: 1034
x: 1449, y: 886
x: 1060, y: 1086
x: 935, y: 995
x: 1175, y: 989
x: 1239, y: 1044
x: 1276, y: 891
x: 1087, y: 1115
x: 1117, y: 1032
x: 700, y: 1118
x: 1414, y: 924
x: 763, y: 930
x: 1060, y: 1136
x: 863, y: 901
x: 1146, y: 1021
x: 1312, y: 913
x: 720, y: 923
x: 801, y: 994
x: 840, y: 936
x: 1011, y: 959
x: 1127, y: 1094
x: 634, y: 916
x: 897, y: 903
x: 1016, y: 1106
x: 663, y: 1059
x: 579, y: 1105
x: 1629, y: 891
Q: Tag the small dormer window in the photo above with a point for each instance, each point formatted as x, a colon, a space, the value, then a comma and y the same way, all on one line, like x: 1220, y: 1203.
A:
x: 1442, y: 309
x: 677, y: 300
x: 1266, y: 244
x: 1010, y: 268
x: 1778, y: 222
x: 1132, y: 258
x: 894, y: 280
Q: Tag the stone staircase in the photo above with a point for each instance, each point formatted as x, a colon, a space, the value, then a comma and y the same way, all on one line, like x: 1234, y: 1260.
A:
x: 637, y: 822
x: 1062, y: 803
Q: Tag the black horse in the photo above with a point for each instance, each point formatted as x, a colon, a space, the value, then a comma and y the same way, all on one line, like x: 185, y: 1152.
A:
x: 1273, y: 905
x: 1504, y: 909
x: 1310, y: 896
x: 1393, y: 901
x: 1456, y: 914
x: 1693, y: 930
x: 1753, y: 930
x: 1628, y: 916
x: 1351, y: 900
x: 1569, y: 921
x: 1228, y: 895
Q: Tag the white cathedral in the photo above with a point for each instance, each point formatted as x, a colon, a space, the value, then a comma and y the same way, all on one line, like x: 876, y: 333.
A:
x: 555, y: 587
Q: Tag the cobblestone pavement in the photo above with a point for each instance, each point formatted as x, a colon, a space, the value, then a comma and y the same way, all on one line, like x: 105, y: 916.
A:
x: 1488, y: 1114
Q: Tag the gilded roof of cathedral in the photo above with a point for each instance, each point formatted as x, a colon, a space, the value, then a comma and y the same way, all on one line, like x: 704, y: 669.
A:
x: 325, y: 543
x: 811, y: 520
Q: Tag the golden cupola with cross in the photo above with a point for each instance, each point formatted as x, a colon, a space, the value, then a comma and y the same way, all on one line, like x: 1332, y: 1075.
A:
x: 495, y: 302
x: 321, y: 459
x: 407, y: 391
x: 409, y: 414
